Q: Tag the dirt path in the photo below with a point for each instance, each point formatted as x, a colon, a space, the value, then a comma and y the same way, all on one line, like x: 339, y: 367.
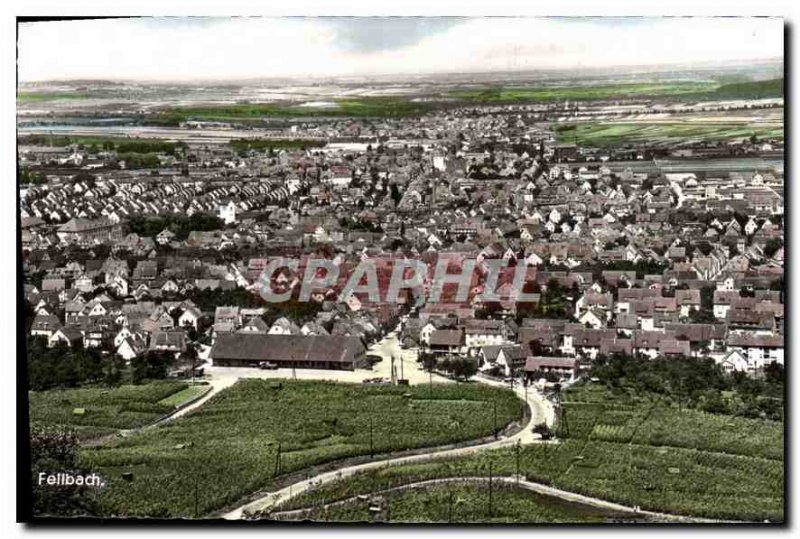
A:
x: 527, y: 485
x: 540, y: 410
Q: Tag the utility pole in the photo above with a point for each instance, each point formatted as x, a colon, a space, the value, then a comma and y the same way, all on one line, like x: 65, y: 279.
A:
x: 402, y: 369
x: 196, y: 511
x: 278, y: 460
x: 450, y: 508
x: 491, y: 510
x: 526, y: 389
x: 494, y: 406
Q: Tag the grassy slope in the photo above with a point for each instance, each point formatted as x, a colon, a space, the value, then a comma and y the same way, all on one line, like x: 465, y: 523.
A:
x: 230, y: 445
x: 713, y: 466
x: 107, y: 410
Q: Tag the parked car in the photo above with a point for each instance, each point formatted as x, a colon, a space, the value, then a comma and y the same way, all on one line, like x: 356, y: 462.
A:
x: 377, y: 380
x: 267, y: 365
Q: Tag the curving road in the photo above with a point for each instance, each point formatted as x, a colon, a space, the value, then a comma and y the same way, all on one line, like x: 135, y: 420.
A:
x: 527, y: 485
x: 540, y: 410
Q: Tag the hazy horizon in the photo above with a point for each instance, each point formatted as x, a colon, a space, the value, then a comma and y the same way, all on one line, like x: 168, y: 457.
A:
x: 236, y: 49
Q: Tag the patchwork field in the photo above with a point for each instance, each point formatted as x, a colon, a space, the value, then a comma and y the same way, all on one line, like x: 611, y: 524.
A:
x: 629, y: 451
x: 94, y: 412
x: 614, y: 133
x: 247, y: 436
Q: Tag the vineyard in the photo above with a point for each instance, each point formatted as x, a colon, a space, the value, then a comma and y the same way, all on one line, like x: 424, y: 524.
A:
x: 625, y: 449
x: 250, y: 435
x: 463, y: 503
x: 94, y: 412
x: 595, y: 413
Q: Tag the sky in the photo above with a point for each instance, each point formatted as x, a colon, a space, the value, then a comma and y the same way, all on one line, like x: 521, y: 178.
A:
x: 197, y: 48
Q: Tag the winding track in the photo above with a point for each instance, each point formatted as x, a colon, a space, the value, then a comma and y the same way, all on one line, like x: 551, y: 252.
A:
x: 540, y: 410
x: 527, y: 485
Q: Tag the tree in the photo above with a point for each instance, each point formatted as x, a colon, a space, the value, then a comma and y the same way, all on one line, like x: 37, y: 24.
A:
x: 428, y: 360
x: 394, y: 192
x: 772, y: 246
x: 463, y: 368
x: 543, y: 431
x: 773, y: 373
x: 153, y: 365
x: 62, y: 365
x: 113, y: 371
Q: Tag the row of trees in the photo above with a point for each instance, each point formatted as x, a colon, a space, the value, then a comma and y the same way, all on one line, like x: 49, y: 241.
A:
x: 63, y: 366
x: 460, y: 368
x: 180, y: 225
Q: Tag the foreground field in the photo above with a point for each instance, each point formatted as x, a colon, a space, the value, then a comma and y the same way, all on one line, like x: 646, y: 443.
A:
x: 248, y: 436
x: 94, y: 412
x: 462, y: 503
x: 633, y: 452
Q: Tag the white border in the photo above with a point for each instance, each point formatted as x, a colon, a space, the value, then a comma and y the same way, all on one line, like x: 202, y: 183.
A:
x: 785, y: 8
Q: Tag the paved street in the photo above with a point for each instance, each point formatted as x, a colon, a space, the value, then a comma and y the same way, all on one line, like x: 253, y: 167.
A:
x: 405, y: 365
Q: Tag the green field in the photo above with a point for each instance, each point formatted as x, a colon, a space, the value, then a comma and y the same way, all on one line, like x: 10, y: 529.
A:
x: 360, y: 107
x: 618, y: 133
x: 119, y: 144
x: 743, y: 90
x: 185, y: 395
x: 247, y: 436
x: 105, y: 410
x: 37, y: 97
x: 700, y: 91
x: 581, y: 93
x: 458, y: 503
x: 697, y: 465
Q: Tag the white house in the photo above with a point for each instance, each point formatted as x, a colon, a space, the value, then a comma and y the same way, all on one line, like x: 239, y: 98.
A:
x: 227, y: 212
